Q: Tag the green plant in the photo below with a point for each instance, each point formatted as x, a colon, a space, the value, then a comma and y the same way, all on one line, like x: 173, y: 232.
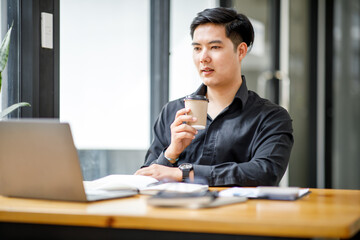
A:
x: 4, y: 54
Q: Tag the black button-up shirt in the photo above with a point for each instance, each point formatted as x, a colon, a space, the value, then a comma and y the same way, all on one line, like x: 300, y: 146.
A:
x: 247, y: 144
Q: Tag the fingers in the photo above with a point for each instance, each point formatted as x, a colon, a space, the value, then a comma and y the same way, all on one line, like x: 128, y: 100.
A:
x: 181, y: 134
x: 180, y: 117
x: 186, y: 135
x: 143, y: 171
x: 182, y: 111
x: 160, y: 172
x: 148, y: 171
x: 184, y: 128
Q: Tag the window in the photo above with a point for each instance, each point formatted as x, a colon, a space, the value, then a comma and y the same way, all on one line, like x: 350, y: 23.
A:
x: 184, y: 79
x: 104, y: 78
x: 346, y: 95
x: 1, y: 38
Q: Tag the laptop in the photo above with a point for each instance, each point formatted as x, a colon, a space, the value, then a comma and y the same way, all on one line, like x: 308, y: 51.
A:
x: 38, y: 159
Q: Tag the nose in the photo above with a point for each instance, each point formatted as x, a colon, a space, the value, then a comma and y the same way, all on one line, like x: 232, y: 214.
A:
x: 205, y: 58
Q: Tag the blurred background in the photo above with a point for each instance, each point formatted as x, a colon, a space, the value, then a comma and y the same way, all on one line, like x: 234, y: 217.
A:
x: 115, y: 63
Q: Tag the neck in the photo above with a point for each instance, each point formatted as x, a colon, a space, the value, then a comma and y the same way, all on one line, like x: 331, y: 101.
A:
x: 223, y: 94
x: 221, y: 97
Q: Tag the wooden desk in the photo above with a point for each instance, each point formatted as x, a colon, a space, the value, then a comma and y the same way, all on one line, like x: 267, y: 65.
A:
x: 324, y: 213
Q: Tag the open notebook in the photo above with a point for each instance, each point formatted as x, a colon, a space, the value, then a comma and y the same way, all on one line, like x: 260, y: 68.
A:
x: 38, y: 159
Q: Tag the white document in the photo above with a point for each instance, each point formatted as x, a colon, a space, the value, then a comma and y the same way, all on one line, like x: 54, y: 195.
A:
x: 178, y: 187
x: 276, y: 193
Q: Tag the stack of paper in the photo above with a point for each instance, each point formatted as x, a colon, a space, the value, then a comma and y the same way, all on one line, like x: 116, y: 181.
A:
x: 197, y: 200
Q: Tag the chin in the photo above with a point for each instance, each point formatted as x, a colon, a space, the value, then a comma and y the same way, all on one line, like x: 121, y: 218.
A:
x: 209, y: 82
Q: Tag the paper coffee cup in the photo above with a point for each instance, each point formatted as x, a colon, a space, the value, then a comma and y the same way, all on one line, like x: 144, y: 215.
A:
x: 198, y: 105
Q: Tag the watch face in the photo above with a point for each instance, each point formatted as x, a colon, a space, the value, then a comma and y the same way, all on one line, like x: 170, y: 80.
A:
x: 185, y: 166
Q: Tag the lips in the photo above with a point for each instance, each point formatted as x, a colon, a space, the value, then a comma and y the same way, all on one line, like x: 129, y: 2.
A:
x: 207, y: 70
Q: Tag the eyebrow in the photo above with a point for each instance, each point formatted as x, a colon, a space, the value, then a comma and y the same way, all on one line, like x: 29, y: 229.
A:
x: 211, y: 42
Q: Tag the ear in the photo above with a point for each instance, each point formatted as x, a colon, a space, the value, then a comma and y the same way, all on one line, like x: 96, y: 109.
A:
x: 242, y: 50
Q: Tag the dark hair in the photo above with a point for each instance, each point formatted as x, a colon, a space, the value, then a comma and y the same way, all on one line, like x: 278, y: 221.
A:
x: 238, y: 27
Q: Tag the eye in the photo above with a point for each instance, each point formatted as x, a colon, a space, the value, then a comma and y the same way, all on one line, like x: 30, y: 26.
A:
x: 196, y: 49
x: 215, y: 47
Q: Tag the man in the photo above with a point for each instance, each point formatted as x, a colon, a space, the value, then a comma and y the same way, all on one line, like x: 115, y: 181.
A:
x: 247, y: 140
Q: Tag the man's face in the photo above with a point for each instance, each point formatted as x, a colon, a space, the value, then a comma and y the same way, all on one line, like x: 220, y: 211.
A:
x: 214, y: 56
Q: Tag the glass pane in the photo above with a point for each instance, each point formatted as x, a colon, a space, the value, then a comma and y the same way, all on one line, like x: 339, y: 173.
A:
x: 105, y: 82
x: 9, y: 13
x: 104, y: 72
x: 299, y: 168
x: 259, y: 58
x: 346, y: 95
x: 2, y: 34
x: 183, y: 77
x: 3, y: 30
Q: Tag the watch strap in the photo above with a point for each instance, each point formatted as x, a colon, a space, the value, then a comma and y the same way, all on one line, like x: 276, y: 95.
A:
x: 185, y: 174
x: 185, y: 169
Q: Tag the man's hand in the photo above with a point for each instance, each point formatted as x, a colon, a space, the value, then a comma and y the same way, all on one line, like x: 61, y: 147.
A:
x: 181, y: 134
x: 161, y: 172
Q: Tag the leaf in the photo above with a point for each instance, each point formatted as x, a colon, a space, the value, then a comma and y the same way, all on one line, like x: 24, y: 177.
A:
x: 4, y: 51
x: 13, y: 107
x: 4, y: 54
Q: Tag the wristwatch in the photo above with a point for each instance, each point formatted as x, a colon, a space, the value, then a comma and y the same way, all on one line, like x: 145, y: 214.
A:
x: 185, y: 168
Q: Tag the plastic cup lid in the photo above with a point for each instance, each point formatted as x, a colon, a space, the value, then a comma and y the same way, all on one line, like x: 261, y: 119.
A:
x: 196, y: 97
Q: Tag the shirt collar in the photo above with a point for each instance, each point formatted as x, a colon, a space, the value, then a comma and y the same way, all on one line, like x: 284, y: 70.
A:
x: 241, y: 94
